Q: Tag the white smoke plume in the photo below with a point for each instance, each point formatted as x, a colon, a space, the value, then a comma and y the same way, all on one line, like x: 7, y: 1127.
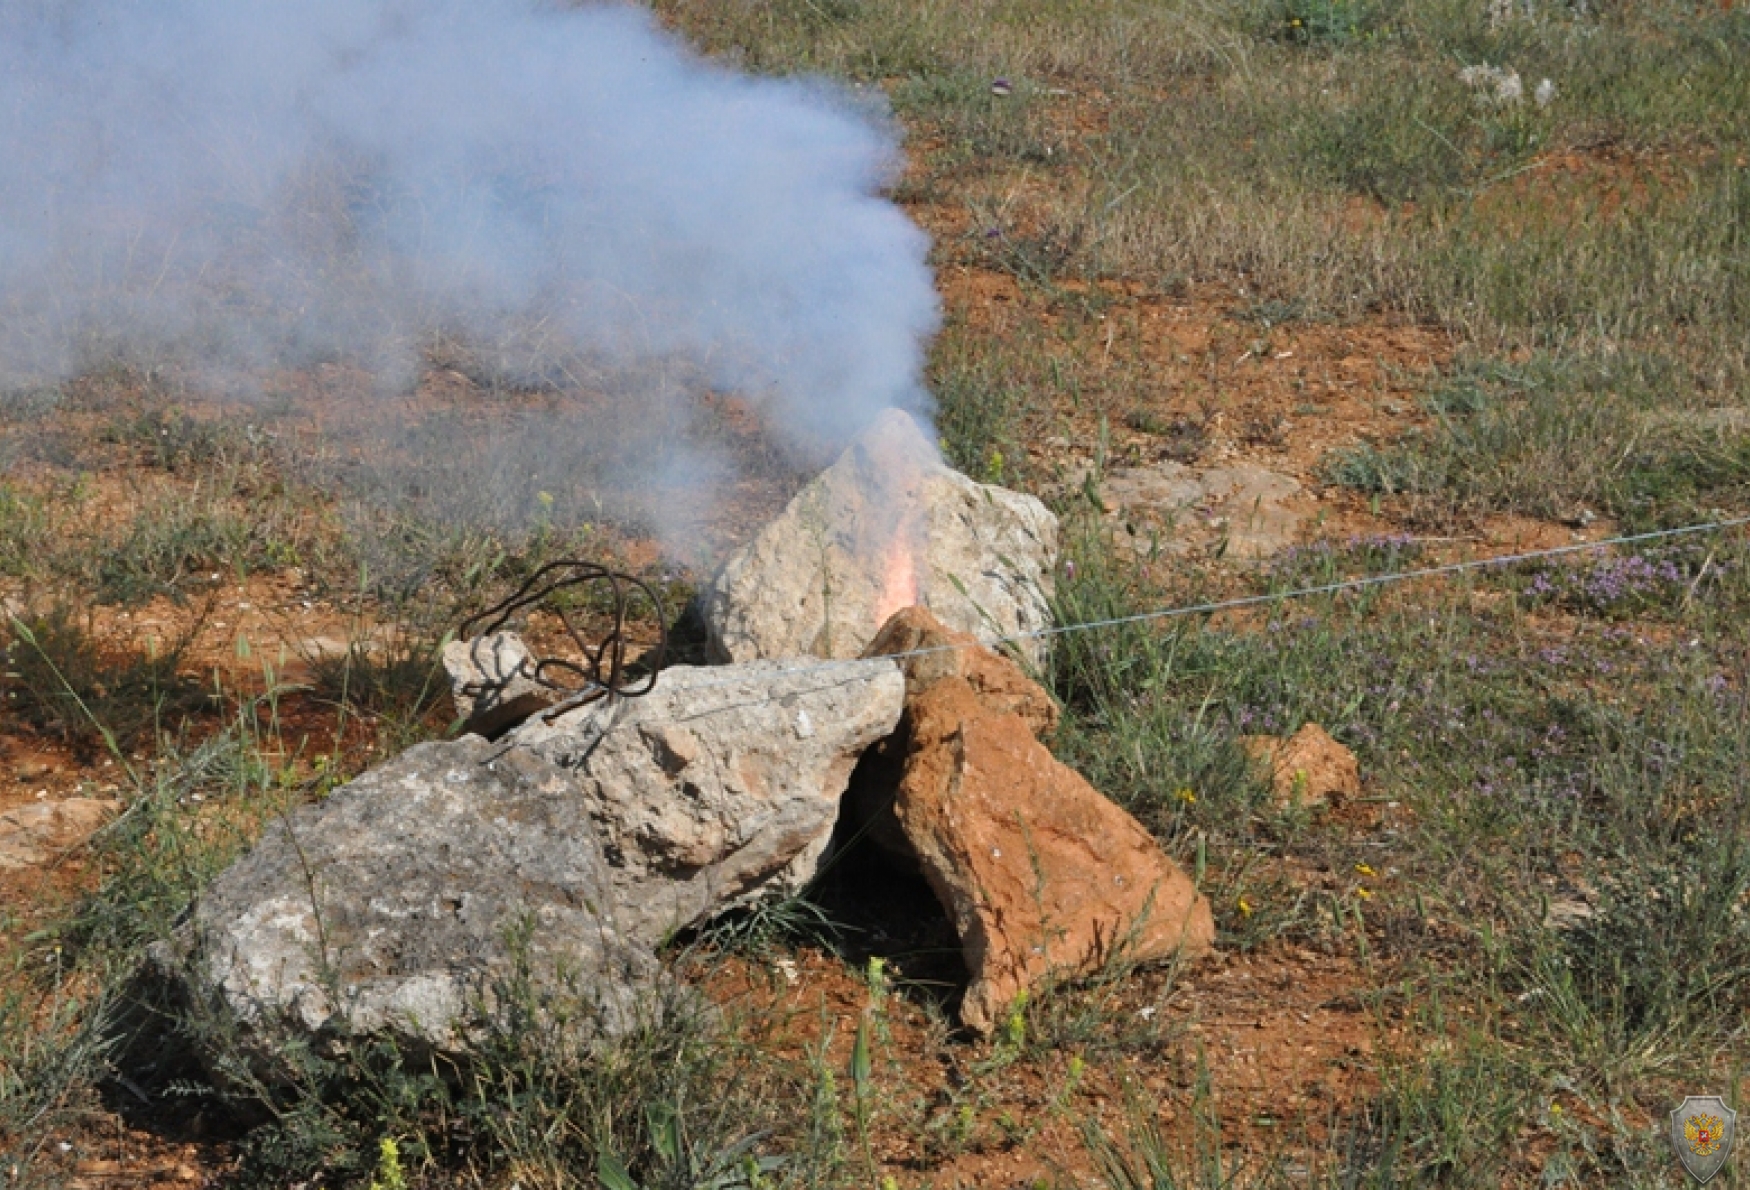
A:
x: 250, y: 185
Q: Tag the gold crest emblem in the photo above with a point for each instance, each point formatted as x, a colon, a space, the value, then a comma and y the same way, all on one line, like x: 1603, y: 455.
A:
x: 1703, y: 1134
x: 1702, y: 1131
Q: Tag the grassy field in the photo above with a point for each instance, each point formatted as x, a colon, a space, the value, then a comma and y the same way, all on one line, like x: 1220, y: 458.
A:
x: 1473, y: 313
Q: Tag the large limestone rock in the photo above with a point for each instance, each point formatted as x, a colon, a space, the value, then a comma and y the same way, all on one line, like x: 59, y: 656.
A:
x: 722, y: 782
x: 1042, y: 876
x: 885, y: 527
x: 389, y: 906
x: 398, y: 904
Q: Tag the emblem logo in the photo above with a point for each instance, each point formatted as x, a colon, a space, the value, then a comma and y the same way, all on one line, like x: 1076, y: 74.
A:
x: 1702, y: 1131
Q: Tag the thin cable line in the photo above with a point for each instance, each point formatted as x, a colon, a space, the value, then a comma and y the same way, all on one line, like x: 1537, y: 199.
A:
x: 1396, y: 576
x: 1354, y: 584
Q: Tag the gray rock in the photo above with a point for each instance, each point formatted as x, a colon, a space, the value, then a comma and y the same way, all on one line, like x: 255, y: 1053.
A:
x: 722, y: 783
x: 886, y: 526
x: 567, y: 851
x: 390, y: 906
x: 491, y: 683
x: 1243, y: 511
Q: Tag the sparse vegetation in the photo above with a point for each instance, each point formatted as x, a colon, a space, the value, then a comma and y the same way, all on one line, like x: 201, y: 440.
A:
x: 1187, y: 231
x: 63, y: 682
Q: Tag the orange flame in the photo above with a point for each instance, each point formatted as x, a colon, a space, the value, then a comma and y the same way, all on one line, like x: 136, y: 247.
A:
x: 899, y: 580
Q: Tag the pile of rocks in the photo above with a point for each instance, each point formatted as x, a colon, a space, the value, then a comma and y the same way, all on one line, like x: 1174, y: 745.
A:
x: 567, y: 850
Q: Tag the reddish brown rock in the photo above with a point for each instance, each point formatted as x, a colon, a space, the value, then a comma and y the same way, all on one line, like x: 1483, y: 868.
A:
x: 999, y: 683
x: 36, y: 832
x: 1041, y: 875
x: 1309, y: 767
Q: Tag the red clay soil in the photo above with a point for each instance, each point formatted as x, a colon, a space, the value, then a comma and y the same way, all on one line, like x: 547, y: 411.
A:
x: 1282, y: 1035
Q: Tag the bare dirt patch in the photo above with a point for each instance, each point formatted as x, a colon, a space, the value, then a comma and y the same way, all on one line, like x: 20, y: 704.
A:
x: 1282, y: 1034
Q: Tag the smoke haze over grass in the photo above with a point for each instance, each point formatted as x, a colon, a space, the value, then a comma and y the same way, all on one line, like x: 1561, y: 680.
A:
x: 238, y: 187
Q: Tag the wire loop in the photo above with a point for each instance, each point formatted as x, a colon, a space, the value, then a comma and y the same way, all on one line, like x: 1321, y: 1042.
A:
x: 604, y: 669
